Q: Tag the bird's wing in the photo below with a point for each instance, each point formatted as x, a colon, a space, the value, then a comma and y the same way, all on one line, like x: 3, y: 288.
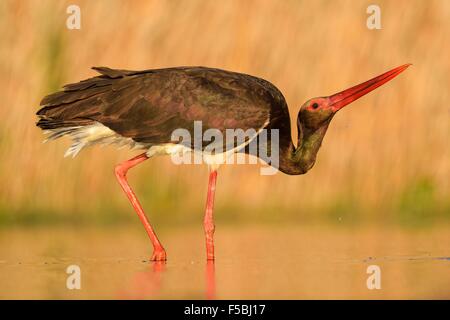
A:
x: 149, y: 105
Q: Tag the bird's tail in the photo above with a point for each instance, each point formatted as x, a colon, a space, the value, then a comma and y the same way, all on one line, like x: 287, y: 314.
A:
x: 75, y: 105
x: 73, y: 110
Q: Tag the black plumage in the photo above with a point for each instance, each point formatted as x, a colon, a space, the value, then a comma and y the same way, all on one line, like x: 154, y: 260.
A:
x: 149, y: 105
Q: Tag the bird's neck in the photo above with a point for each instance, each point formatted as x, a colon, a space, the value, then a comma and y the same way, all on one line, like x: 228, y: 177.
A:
x: 298, y: 160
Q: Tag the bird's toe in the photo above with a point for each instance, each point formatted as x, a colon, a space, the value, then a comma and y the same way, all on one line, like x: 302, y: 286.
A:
x: 159, y: 255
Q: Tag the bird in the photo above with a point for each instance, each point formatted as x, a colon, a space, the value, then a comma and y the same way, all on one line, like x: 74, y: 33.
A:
x: 142, y: 109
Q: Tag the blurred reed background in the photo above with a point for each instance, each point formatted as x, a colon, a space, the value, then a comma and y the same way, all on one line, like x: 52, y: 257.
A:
x: 385, y: 159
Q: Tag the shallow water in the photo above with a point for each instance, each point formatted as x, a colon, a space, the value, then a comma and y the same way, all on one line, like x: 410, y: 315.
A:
x: 274, y: 262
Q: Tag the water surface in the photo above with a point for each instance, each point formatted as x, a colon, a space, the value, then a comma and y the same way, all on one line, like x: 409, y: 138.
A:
x: 273, y: 262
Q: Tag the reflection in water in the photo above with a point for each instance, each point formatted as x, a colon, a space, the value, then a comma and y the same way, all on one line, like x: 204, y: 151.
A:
x: 210, y: 280
x: 149, y: 284
x: 146, y: 284
x: 318, y: 262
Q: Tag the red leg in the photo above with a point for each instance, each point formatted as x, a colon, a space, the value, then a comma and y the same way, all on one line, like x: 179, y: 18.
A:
x: 159, y: 254
x: 208, y: 222
x: 210, y: 280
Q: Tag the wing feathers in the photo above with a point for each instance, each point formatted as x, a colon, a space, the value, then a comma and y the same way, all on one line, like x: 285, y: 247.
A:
x: 149, y: 105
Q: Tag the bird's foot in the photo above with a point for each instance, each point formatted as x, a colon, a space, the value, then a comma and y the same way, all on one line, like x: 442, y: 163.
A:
x: 159, y: 255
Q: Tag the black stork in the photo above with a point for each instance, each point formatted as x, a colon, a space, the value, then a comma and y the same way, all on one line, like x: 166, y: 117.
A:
x: 143, y: 108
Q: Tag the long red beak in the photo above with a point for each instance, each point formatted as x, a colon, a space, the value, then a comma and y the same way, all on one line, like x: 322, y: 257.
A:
x: 343, y: 98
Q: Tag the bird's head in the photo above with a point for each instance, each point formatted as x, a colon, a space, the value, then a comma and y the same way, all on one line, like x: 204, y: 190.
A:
x: 317, y: 113
x: 315, y: 116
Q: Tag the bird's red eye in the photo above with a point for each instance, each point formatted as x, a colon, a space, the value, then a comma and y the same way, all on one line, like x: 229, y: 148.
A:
x: 315, y: 105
